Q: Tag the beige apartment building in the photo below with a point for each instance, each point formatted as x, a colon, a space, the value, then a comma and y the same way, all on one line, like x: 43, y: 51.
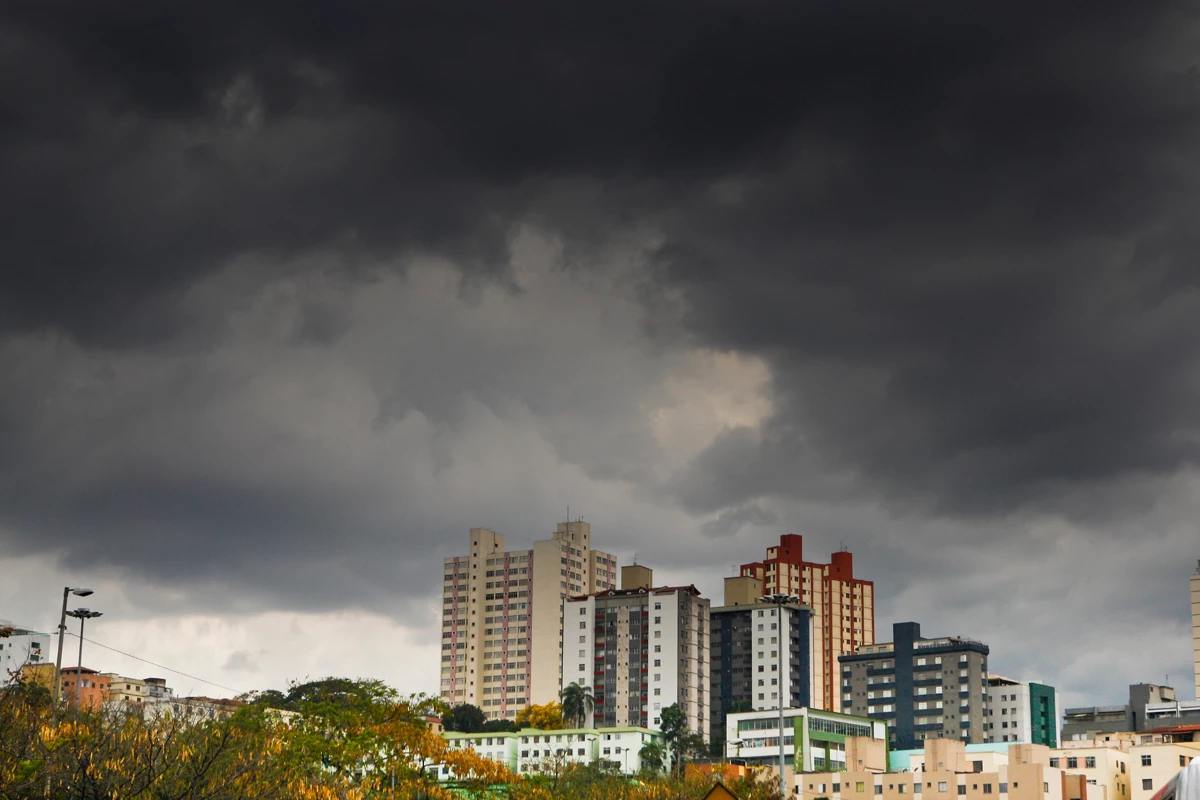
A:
x: 1195, y: 585
x: 843, y: 606
x: 125, y: 690
x: 1126, y: 766
x: 947, y: 772
x: 502, y: 616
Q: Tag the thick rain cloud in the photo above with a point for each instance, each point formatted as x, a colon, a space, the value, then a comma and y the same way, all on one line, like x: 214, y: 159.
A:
x: 294, y: 294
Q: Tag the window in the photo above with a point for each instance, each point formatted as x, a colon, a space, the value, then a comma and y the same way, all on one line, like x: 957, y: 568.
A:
x: 941, y: 784
x: 1054, y: 763
x: 1004, y: 788
x: 583, y: 625
x: 859, y: 786
x: 879, y: 788
x: 962, y: 788
x: 987, y: 788
x: 1072, y: 762
x: 1145, y: 763
x: 1089, y: 762
x: 1147, y: 783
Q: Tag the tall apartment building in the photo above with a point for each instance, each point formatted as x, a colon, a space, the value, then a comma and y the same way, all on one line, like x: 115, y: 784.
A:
x: 502, y: 616
x: 923, y: 688
x: 1195, y: 584
x: 755, y: 653
x: 20, y: 646
x: 640, y: 650
x: 1022, y: 711
x: 843, y: 606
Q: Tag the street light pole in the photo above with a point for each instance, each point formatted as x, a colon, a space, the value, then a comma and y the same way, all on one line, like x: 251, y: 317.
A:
x: 62, y: 631
x: 83, y: 615
x: 779, y: 600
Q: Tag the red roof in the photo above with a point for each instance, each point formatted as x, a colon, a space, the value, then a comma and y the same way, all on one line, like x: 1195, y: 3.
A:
x: 1175, y: 729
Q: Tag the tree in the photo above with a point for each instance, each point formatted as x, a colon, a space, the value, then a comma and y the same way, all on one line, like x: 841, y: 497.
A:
x: 546, y: 717
x: 465, y: 718
x: 653, y: 756
x: 577, y: 704
x: 673, y: 728
x: 500, y: 726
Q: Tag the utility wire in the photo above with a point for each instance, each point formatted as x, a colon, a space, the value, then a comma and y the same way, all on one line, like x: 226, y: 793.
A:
x: 153, y: 664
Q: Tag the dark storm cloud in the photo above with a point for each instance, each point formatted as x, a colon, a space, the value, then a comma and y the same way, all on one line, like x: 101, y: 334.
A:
x: 960, y: 235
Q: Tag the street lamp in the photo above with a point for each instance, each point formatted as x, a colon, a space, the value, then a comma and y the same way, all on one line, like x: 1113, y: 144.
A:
x: 83, y: 615
x: 779, y: 600
x: 62, y: 631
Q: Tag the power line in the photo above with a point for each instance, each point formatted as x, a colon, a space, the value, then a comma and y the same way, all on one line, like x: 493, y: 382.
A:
x: 153, y: 664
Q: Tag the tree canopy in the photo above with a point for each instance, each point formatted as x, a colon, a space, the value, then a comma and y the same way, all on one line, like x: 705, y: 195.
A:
x: 547, y: 717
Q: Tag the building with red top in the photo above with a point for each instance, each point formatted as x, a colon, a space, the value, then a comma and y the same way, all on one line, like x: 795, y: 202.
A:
x: 843, y: 606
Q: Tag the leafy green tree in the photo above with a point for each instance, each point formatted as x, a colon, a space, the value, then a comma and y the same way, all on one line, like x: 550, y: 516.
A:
x: 465, y: 718
x: 577, y: 704
x: 653, y: 756
x: 500, y: 726
x: 673, y: 728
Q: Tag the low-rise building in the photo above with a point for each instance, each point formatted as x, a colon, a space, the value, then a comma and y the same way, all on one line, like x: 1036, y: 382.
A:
x: 123, y: 690
x: 20, y: 646
x: 944, y: 772
x: 1150, y: 707
x: 828, y: 741
x: 88, y: 685
x: 531, y: 750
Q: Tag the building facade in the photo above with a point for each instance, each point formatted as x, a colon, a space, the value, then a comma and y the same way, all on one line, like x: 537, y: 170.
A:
x: 755, y: 653
x: 1195, y: 592
x: 1022, y: 711
x: 92, y: 688
x: 20, y: 646
x: 843, y: 606
x: 923, y: 688
x: 828, y: 740
x: 530, y: 751
x: 640, y: 650
x: 123, y: 690
x: 1150, y: 707
x: 946, y: 772
x: 502, y: 616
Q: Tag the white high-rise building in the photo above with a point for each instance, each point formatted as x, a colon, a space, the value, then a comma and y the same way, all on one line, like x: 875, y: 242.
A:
x: 640, y: 650
x: 502, y: 616
x: 21, y: 646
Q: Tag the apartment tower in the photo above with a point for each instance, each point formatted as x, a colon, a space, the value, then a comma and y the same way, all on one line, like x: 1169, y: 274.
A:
x: 640, y: 650
x: 923, y: 688
x: 1022, y: 711
x: 843, y: 606
x: 502, y: 616
x: 1196, y: 626
x: 757, y: 655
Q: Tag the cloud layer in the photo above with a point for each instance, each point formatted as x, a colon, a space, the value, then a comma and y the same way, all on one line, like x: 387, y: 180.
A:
x: 293, y: 295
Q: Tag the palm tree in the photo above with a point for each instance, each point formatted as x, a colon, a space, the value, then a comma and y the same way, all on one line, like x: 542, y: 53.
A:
x: 577, y: 704
x: 653, y: 755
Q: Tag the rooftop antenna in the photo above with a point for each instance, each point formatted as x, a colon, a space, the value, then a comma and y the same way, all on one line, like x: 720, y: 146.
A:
x: 635, y: 559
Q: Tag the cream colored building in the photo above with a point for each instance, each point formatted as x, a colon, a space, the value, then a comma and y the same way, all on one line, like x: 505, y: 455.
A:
x: 946, y: 772
x: 130, y: 691
x: 1129, y: 766
x: 1195, y: 584
x: 1101, y: 765
x: 502, y: 616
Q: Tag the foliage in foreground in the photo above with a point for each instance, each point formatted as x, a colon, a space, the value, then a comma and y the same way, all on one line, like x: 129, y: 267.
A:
x: 348, y: 740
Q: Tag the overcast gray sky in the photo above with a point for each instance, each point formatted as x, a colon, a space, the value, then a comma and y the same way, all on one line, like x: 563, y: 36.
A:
x: 293, y: 294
